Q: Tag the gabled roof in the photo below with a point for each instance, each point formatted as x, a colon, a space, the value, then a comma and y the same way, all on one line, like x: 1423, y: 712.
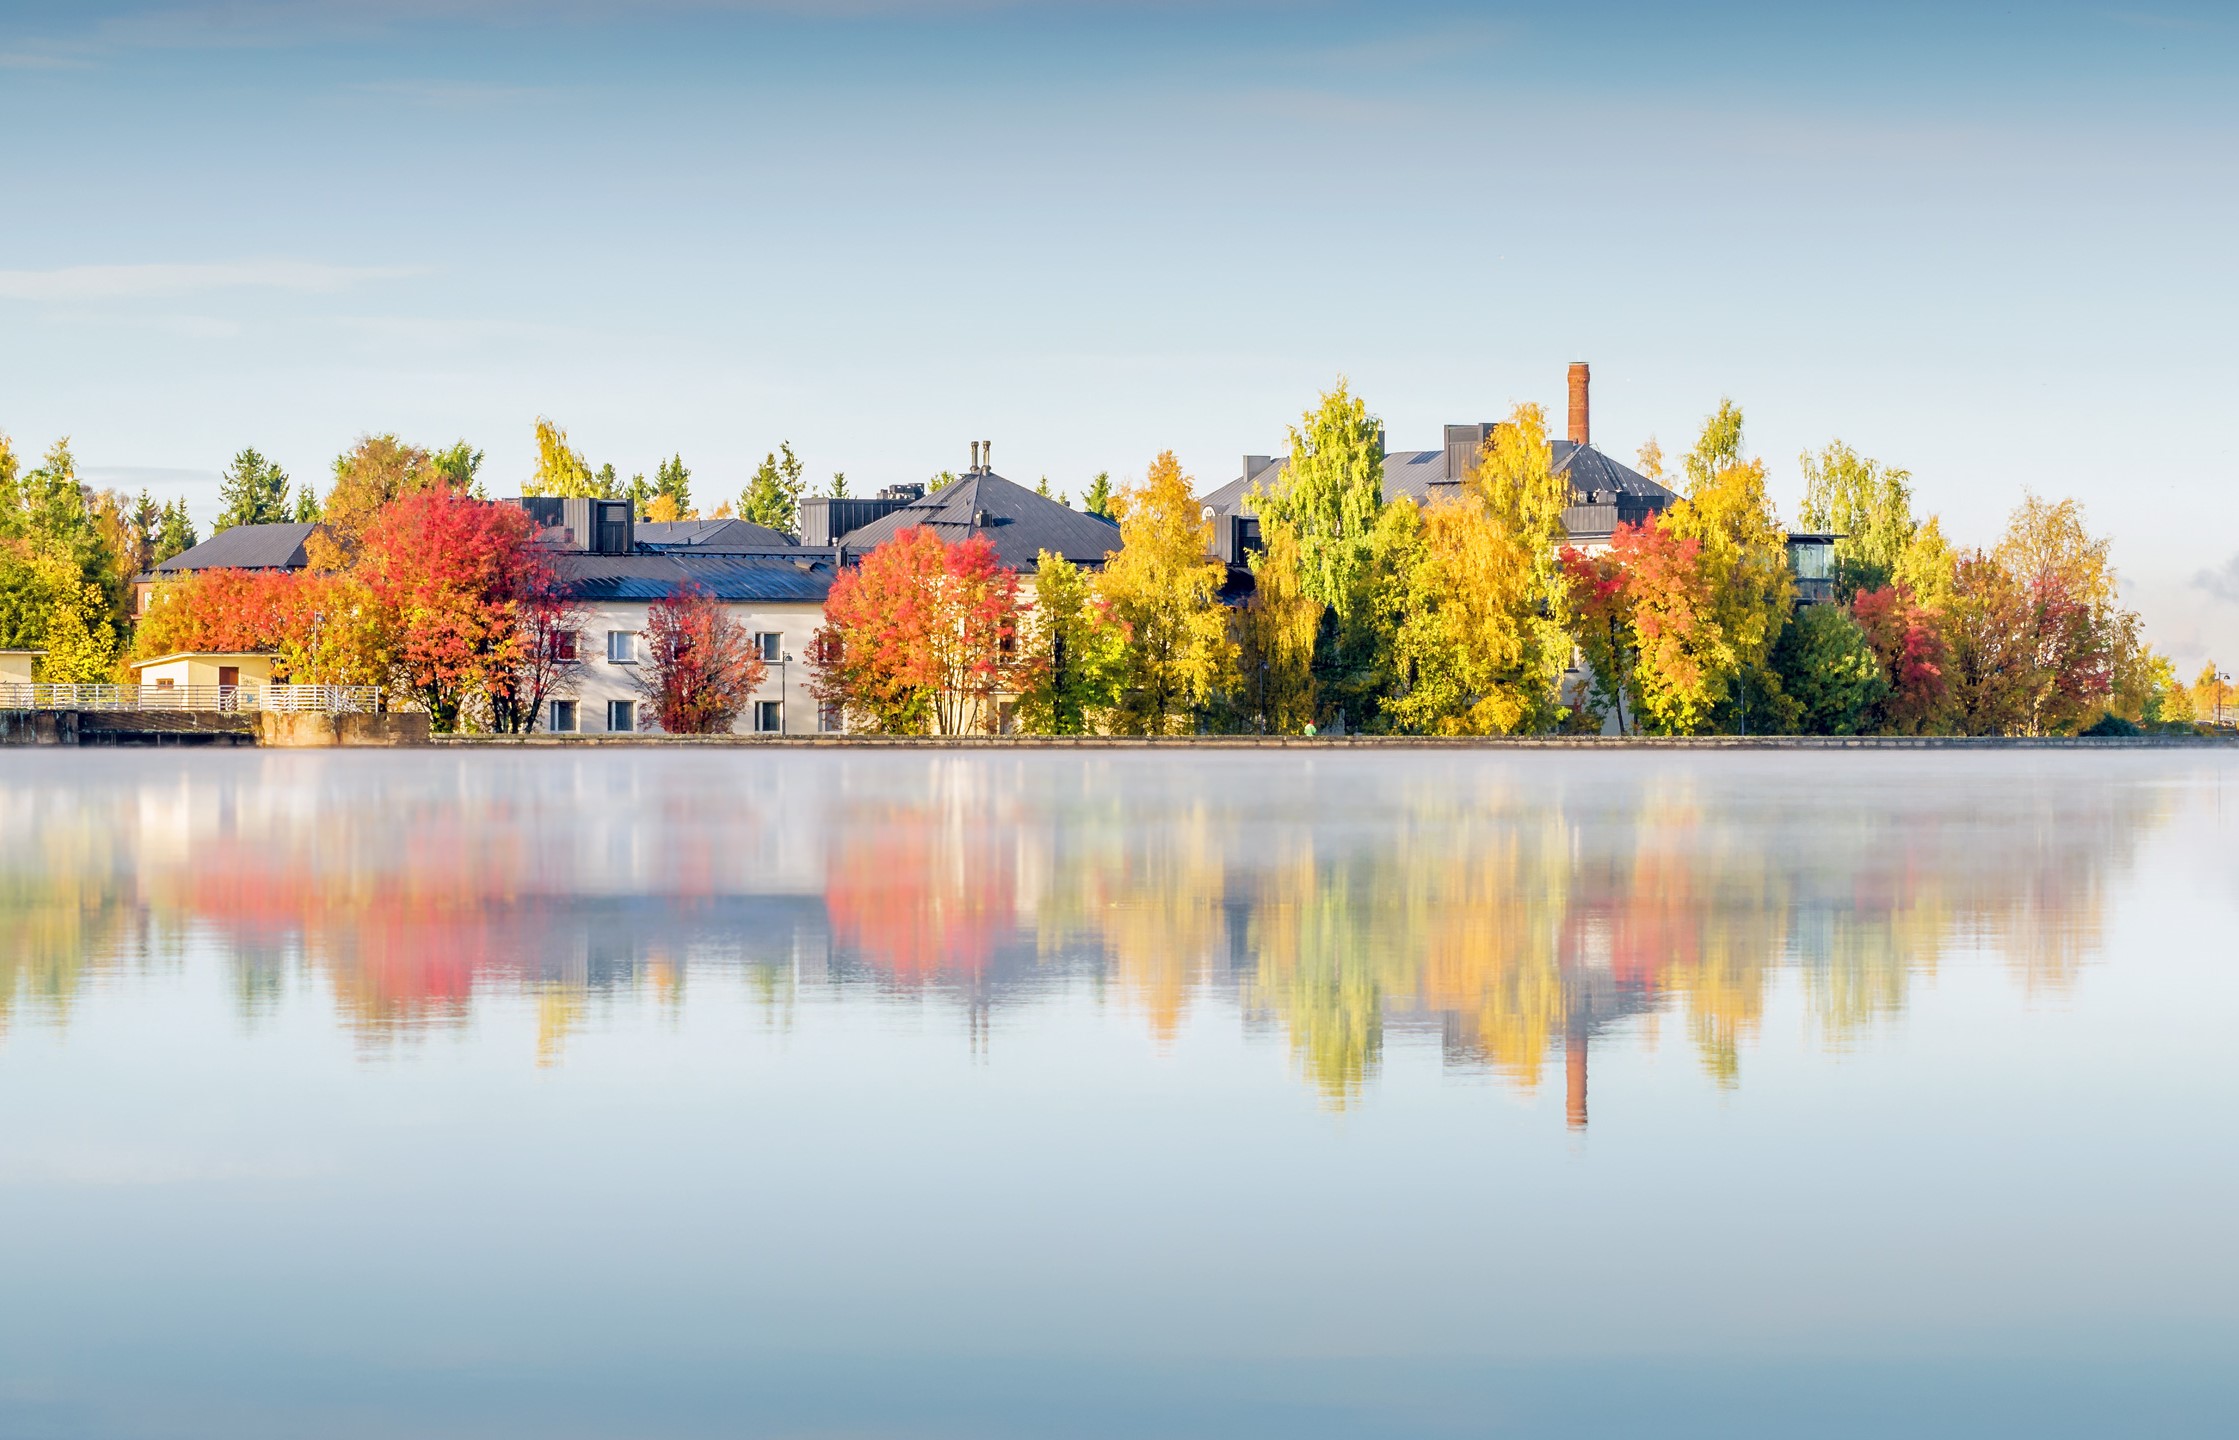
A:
x: 781, y: 574
x: 1422, y: 474
x: 1020, y: 523
x: 246, y: 547
x: 710, y: 535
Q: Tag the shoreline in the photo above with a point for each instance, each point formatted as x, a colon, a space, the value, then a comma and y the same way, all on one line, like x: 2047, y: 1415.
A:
x: 1337, y: 742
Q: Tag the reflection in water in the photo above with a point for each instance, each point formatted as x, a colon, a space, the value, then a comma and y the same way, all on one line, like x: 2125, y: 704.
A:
x: 1515, y: 906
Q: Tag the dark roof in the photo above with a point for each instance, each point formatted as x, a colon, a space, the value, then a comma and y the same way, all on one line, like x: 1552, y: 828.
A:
x: 1021, y: 523
x: 246, y: 547
x: 784, y: 573
x: 1420, y: 474
x: 725, y: 534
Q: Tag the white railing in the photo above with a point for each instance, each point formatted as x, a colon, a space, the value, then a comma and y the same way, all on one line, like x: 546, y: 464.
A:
x: 320, y: 699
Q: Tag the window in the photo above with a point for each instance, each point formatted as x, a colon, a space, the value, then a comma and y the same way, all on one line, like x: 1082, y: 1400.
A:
x: 621, y: 714
x: 1006, y: 717
x: 562, y: 718
x: 830, y: 719
x: 769, y: 718
x: 563, y: 646
x: 766, y: 646
x: 621, y: 647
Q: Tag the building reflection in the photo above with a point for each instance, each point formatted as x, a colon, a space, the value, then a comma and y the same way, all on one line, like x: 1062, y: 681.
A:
x: 1503, y: 917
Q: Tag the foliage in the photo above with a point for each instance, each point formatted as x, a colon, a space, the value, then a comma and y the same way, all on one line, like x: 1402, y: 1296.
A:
x: 449, y: 571
x: 1927, y: 567
x: 1728, y: 512
x: 46, y: 512
x: 1098, y: 498
x: 773, y: 495
x: 1678, y: 646
x: 1075, y: 654
x: 459, y: 467
x: 838, y: 489
x: 369, y: 475
x: 46, y: 603
x: 915, y: 636
x: 548, y: 662
x: 701, y: 668
x: 320, y: 629
x: 1602, y: 623
x: 1909, y: 642
x: 1164, y: 586
x: 253, y: 491
x: 560, y: 467
x: 1866, y: 504
x: 174, y: 534
x: 1828, y: 666
x: 672, y: 481
x: 1275, y: 634
x: 1328, y: 497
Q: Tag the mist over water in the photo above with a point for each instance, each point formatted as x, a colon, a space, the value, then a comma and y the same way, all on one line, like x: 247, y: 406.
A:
x: 781, y: 1093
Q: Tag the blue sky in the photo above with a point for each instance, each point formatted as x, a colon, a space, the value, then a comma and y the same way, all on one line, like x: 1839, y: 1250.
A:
x: 1992, y: 244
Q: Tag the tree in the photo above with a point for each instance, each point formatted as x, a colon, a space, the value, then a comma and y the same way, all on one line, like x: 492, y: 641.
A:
x: 1602, y: 622
x: 673, y: 479
x: 1075, y: 653
x: 48, y: 509
x: 371, y: 474
x: 46, y: 603
x: 1926, y: 567
x: 1728, y: 512
x: 1164, y: 585
x: 448, y: 571
x: 253, y: 491
x: 701, y: 667
x: 1276, y: 630
x: 2082, y: 640
x: 307, y: 508
x: 459, y: 466
x: 1678, y: 647
x: 1098, y: 500
x: 144, y: 523
x: 548, y: 662
x: 916, y: 636
x: 1867, y: 505
x: 319, y: 629
x: 838, y: 490
x: 1481, y: 637
x: 1827, y: 665
x: 1908, y: 640
x: 773, y: 495
x: 560, y: 467
x: 1328, y: 496
x: 1991, y: 629
x: 174, y: 533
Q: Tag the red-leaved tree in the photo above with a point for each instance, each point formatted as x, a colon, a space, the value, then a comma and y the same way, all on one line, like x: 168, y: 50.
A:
x: 450, y: 574
x: 1602, y: 614
x: 916, y: 636
x: 701, y: 667
x: 1909, y: 642
x: 319, y: 629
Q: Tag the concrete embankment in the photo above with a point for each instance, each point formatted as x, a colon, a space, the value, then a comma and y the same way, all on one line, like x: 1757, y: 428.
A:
x: 208, y: 727
x: 1346, y: 743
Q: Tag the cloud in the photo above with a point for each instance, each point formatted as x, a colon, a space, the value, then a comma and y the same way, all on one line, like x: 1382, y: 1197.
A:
x: 140, y: 282
x: 2221, y: 582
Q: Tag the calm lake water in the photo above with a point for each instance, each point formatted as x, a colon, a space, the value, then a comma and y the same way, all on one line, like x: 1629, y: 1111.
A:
x: 786, y: 1094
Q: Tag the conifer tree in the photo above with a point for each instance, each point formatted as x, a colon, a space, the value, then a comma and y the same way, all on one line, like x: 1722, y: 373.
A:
x: 253, y: 491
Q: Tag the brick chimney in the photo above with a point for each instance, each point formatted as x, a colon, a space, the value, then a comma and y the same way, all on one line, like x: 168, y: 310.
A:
x: 1581, y: 433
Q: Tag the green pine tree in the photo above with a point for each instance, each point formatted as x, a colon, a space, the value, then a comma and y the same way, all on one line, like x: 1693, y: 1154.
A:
x: 253, y: 491
x: 1099, y: 497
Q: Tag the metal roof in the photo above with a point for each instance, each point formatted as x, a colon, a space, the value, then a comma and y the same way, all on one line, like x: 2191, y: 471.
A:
x: 1420, y: 474
x: 246, y: 547
x: 796, y: 575
x: 1020, y: 523
x: 724, y: 534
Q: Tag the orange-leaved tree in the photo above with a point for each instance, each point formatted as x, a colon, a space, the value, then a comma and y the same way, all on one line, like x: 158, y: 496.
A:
x: 917, y: 636
x: 319, y: 629
x: 450, y: 574
x: 701, y: 668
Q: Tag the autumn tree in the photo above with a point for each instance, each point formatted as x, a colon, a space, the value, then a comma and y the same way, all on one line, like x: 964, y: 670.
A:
x: 447, y: 569
x: 2082, y: 639
x: 458, y: 466
x: 1867, y: 506
x: 548, y: 662
x: 369, y: 475
x: 1275, y: 634
x: 701, y: 667
x: 1074, y: 654
x: 1678, y: 646
x: 320, y: 629
x: 773, y: 494
x: 1728, y: 512
x: 1165, y: 586
x: 1909, y: 641
x: 1991, y: 628
x: 560, y: 467
x: 253, y: 491
x: 1482, y: 638
x: 672, y: 481
x: 1602, y: 623
x: 916, y: 636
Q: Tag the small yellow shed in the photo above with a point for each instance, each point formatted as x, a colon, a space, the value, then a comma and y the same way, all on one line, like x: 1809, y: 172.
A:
x: 167, y: 672
x: 15, y: 666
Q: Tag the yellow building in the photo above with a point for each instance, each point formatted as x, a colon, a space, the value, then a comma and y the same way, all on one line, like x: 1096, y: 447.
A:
x: 15, y: 666
x: 167, y: 672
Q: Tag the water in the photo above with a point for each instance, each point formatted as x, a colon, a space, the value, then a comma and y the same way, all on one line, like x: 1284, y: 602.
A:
x: 783, y: 1094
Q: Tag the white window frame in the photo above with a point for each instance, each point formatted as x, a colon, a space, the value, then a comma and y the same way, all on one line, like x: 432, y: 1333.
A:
x: 621, y: 707
x: 552, y: 717
x: 770, y: 646
x: 621, y: 647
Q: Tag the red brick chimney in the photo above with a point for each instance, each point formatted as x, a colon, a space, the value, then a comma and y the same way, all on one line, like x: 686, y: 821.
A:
x: 1580, y: 432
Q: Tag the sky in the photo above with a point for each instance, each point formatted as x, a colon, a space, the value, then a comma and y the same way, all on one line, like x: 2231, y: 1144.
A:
x: 1991, y: 244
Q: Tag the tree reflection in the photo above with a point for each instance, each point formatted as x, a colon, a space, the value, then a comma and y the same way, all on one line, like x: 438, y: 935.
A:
x: 1513, y: 912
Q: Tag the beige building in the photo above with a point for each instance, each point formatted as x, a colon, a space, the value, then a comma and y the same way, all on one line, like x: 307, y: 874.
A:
x: 181, y: 671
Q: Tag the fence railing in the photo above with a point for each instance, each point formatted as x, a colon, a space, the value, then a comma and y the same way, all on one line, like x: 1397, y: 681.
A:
x: 320, y: 699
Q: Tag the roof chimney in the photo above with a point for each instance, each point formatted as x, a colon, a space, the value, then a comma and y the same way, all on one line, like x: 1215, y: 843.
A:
x: 975, y: 468
x: 987, y: 456
x: 1580, y: 431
